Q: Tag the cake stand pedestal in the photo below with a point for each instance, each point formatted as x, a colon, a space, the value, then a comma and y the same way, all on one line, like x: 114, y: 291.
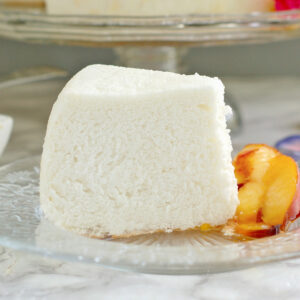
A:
x: 156, y: 58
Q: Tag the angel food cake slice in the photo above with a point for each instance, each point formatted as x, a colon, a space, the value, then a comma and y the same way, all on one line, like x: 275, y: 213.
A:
x: 131, y: 151
x: 157, y: 7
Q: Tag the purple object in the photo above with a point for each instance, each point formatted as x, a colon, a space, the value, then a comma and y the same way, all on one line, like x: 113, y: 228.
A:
x: 290, y: 146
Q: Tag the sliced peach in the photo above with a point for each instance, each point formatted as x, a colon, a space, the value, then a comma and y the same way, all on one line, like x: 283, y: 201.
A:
x: 250, y: 202
x: 256, y: 230
x: 294, y: 209
x: 281, y: 185
x: 252, y: 162
x: 243, y: 166
x: 269, y: 189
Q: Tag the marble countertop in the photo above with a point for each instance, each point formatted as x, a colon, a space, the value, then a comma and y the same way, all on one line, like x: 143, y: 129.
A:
x: 270, y: 108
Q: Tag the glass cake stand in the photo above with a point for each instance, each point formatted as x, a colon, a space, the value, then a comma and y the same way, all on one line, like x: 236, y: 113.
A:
x: 157, y: 42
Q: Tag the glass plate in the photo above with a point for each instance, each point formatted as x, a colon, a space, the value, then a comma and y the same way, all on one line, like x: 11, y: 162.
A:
x: 182, y: 30
x: 23, y: 227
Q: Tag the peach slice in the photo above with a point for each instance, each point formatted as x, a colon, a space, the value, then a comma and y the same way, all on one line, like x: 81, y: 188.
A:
x: 256, y: 230
x: 250, y: 196
x: 294, y: 209
x: 252, y: 162
x: 269, y: 190
x: 281, y: 186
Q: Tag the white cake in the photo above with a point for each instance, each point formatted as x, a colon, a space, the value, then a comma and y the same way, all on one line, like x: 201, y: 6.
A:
x: 131, y: 151
x: 156, y: 7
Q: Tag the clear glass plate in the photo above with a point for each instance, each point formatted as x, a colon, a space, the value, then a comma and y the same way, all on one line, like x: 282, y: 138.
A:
x: 182, y: 30
x: 23, y: 227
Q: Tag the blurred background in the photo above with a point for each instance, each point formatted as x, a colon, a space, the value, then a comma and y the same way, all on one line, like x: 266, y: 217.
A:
x: 277, y: 58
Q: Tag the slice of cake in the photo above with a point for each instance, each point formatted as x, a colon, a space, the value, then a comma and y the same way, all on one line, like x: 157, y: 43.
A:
x: 131, y: 151
x: 156, y: 7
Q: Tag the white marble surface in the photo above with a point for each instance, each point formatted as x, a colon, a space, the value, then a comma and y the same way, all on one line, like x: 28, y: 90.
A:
x: 270, y: 107
x: 24, y: 277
